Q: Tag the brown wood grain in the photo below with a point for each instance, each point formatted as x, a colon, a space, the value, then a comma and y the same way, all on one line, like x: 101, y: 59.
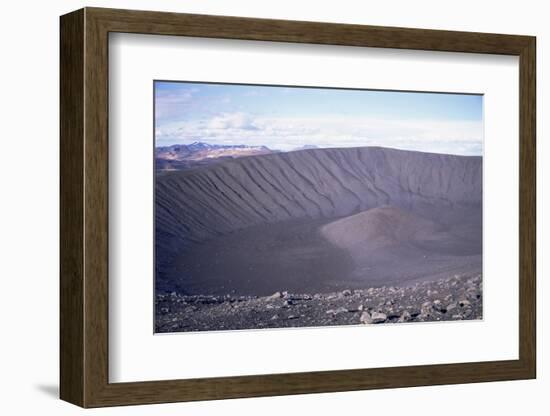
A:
x: 527, y: 207
x: 84, y: 207
x: 71, y: 208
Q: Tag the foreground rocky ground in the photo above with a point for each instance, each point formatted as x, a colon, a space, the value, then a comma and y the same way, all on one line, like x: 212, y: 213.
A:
x: 455, y: 298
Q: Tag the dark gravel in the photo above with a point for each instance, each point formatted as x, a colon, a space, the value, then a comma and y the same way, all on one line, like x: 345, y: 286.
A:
x: 455, y: 298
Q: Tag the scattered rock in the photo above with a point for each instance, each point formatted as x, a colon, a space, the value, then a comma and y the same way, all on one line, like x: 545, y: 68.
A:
x: 177, y: 312
x: 473, y: 293
x: 438, y: 306
x: 366, y: 318
x: 337, y: 311
x: 392, y: 316
x: 300, y: 297
x: 467, y: 313
x: 452, y: 307
x: 414, y: 312
x: 378, y: 317
x: 405, y: 317
x: 276, y: 295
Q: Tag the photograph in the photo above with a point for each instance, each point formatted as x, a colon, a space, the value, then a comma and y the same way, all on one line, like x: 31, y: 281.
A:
x: 282, y: 206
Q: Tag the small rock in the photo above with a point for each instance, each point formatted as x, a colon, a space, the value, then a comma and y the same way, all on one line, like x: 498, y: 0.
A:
x: 467, y: 313
x: 426, y: 309
x: 414, y: 312
x: 164, y: 310
x: 293, y: 316
x: 300, y: 297
x: 275, y: 317
x: 346, y: 292
x: 337, y: 311
x: 464, y: 303
x: 425, y: 315
x: 276, y: 295
x: 366, y: 318
x: 473, y: 294
x: 438, y: 306
x: 393, y: 316
x: 378, y: 317
x: 405, y: 317
x: 452, y: 306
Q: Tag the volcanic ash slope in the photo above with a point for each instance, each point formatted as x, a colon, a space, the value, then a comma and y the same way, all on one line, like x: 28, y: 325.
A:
x: 318, y: 220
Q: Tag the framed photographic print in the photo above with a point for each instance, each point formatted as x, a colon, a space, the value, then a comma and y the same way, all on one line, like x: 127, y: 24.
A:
x: 255, y: 207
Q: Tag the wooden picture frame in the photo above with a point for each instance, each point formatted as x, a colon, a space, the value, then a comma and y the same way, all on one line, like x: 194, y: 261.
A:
x: 84, y: 207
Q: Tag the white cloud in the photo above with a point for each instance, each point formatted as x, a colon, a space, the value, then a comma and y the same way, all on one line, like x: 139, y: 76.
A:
x: 286, y: 133
x: 169, y: 103
x: 232, y: 121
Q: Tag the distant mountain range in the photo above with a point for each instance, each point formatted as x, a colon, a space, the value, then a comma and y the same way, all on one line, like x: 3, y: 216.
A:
x: 186, y: 156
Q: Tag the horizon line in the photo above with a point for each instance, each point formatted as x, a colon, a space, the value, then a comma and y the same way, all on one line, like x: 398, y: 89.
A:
x: 297, y: 149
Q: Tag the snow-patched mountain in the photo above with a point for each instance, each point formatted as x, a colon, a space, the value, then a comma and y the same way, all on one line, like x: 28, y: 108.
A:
x: 307, y: 146
x: 185, y: 156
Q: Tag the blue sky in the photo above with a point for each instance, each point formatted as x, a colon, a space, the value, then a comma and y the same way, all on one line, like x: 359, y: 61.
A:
x: 286, y: 118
